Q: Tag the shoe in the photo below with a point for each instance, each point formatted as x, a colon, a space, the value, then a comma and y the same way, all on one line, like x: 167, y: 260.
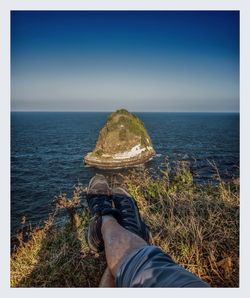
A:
x: 99, y: 203
x: 129, y: 212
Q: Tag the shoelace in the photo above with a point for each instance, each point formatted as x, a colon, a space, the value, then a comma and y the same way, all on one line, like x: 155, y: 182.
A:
x: 98, y: 202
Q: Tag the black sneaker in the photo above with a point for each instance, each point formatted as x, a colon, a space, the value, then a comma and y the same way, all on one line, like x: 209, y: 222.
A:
x: 130, y: 216
x: 100, y: 203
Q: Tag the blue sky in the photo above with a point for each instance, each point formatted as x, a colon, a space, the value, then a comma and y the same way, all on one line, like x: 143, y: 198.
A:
x: 142, y: 61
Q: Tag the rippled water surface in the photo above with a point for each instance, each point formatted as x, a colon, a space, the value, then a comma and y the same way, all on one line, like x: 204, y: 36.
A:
x: 47, y: 152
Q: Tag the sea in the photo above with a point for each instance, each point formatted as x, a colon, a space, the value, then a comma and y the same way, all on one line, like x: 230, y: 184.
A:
x: 47, y: 150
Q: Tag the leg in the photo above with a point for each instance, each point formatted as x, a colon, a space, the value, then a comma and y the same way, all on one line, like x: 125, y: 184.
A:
x: 119, y: 242
x: 107, y: 280
x: 130, y: 259
x: 134, y: 263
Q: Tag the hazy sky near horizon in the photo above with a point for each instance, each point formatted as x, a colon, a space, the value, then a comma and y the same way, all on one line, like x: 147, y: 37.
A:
x: 141, y: 61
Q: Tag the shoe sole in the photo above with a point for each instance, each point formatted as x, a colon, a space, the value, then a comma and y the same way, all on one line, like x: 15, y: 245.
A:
x: 96, y: 247
x: 99, y: 179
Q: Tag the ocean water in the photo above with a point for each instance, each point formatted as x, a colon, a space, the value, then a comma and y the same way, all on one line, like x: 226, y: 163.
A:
x: 47, y: 152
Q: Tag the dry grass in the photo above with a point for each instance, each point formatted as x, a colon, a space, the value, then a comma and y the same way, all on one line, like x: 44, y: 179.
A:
x: 56, y: 257
x: 197, y: 225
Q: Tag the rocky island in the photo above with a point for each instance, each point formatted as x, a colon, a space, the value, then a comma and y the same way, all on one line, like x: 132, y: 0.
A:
x: 122, y: 142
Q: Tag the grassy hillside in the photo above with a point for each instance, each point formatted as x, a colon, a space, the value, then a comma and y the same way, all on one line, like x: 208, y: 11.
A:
x: 198, y: 225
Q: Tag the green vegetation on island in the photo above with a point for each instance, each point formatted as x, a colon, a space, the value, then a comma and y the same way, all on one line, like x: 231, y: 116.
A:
x: 123, y: 141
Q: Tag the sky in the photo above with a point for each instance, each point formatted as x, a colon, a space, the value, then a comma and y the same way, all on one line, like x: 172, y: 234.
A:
x: 159, y: 61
